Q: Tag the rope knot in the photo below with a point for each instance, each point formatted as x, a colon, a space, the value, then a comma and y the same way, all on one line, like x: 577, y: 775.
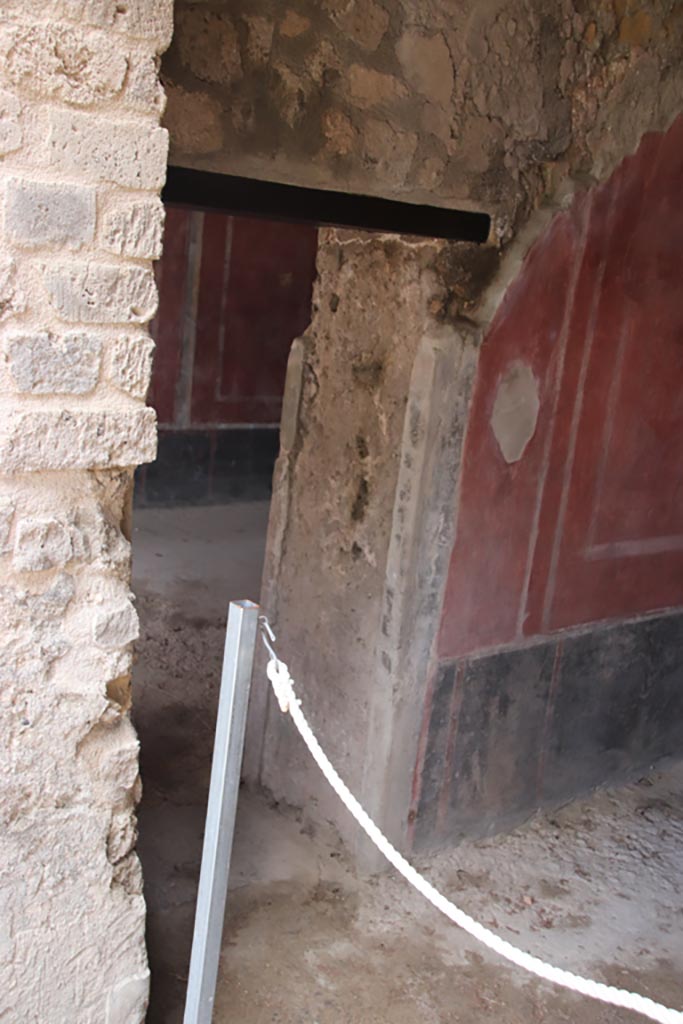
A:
x: 283, y: 687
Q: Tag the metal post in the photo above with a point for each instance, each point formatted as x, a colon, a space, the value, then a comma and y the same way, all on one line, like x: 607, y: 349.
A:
x: 240, y: 640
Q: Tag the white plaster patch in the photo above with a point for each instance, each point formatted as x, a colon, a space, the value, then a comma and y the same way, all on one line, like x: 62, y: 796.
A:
x: 515, y: 410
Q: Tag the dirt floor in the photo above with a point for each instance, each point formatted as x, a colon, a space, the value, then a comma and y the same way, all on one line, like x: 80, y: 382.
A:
x: 596, y: 887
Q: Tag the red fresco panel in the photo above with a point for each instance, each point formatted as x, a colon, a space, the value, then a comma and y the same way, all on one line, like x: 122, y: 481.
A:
x: 167, y: 327
x: 488, y: 568
x: 255, y: 298
x: 212, y: 274
x: 620, y: 545
x: 594, y: 509
x: 579, y: 317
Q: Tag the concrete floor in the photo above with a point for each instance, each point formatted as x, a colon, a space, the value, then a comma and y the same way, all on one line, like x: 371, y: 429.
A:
x: 596, y: 887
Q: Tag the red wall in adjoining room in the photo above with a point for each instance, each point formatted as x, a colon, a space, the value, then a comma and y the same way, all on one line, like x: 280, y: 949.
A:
x: 234, y: 292
x: 587, y: 525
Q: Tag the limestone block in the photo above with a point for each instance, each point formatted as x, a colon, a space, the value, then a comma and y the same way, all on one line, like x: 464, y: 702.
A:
x: 370, y: 88
x: 125, y: 153
x: 295, y: 92
x: 364, y: 21
x: 41, y: 544
x: 143, y: 88
x: 109, y: 755
x: 131, y: 365
x: 57, y: 61
x: 76, y: 439
x: 135, y: 229
x: 116, y: 627
x: 122, y: 836
x: 11, y: 134
x: 389, y: 150
x: 339, y: 132
x: 426, y: 63
x: 127, y: 875
x: 294, y: 24
x: 80, y: 542
x: 259, y: 38
x: 42, y: 213
x: 209, y: 46
x: 194, y: 119
x: 101, y: 293
x: 42, y: 364
x: 151, y: 20
x: 7, y: 509
x: 11, y: 296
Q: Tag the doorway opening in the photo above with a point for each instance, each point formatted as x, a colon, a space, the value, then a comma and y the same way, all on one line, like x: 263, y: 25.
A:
x: 236, y: 286
x: 234, y: 293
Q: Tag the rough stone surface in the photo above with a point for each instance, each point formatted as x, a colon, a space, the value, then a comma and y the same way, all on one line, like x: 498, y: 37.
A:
x: 10, y: 128
x: 131, y: 365
x: 195, y: 120
x: 101, y: 293
x: 77, y: 439
x: 150, y: 20
x: 43, y: 364
x: 376, y: 300
x: 7, y: 510
x: 128, y: 1001
x: 12, y: 301
x: 427, y: 65
x: 75, y: 245
x: 116, y: 627
x: 135, y: 229
x: 41, y: 213
x: 53, y: 61
x: 63, y: 786
x: 122, y: 153
x: 506, y: 99
x: 144, y: 91
x: 209, y: 45
x: 41, y: 544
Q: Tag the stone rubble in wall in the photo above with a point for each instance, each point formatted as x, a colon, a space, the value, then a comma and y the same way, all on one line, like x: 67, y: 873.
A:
x: 82, y: 160
x: 486, y: 106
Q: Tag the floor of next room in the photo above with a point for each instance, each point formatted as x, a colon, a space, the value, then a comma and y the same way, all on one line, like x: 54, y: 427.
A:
x: 596, y: 887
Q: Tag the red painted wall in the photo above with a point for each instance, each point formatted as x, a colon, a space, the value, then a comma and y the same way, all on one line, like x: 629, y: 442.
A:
x: 588, y: 524
x: 234, y: 292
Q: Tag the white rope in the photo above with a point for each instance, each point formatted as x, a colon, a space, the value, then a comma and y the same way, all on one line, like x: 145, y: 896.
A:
x: 283, y: 687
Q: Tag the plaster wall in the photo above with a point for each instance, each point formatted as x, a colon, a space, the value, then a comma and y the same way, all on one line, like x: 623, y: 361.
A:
x: 82, y: 159
x: 559, y: 645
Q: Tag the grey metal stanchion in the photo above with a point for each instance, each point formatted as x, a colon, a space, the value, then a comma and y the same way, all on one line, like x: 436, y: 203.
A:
x: 238, y: 659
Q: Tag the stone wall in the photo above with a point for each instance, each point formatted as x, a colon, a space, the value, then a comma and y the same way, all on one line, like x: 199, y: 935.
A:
x: 478, y: 104
x: 82, y: 159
